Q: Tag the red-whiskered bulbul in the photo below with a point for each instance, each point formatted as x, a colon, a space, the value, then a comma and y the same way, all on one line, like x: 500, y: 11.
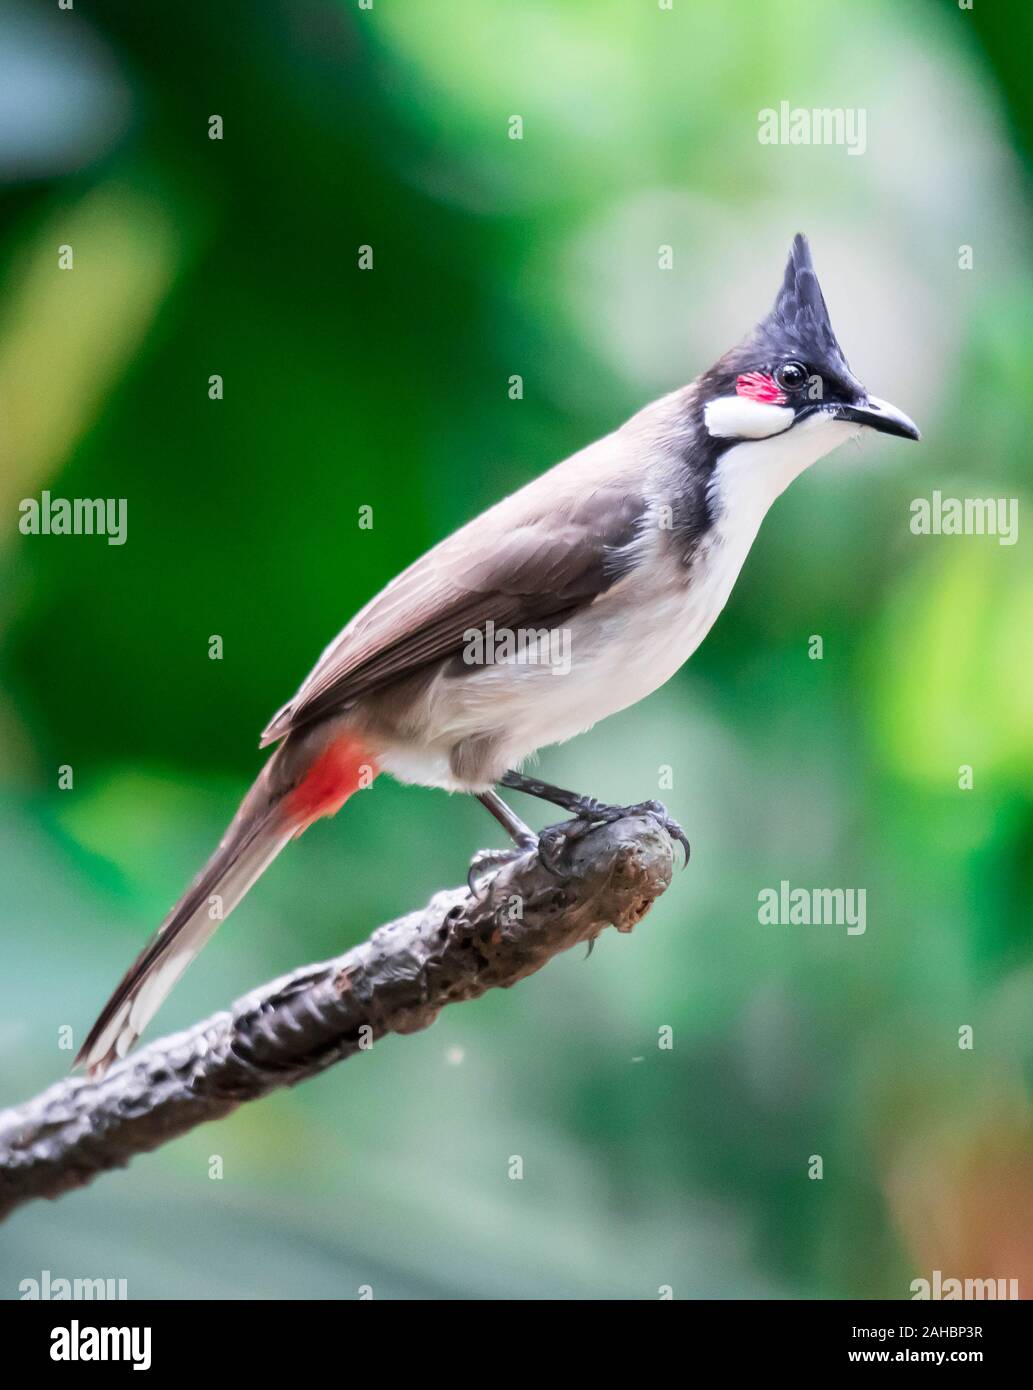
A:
x: 628, y: 548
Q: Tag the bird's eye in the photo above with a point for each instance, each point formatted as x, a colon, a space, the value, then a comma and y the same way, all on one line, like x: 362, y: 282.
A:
x: 791, y: 375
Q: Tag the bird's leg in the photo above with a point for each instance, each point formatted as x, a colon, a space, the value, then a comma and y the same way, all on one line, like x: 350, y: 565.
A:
x: 523, y: 837
x: 587, y: 811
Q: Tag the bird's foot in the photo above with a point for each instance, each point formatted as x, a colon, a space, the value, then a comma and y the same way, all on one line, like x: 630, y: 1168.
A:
x: 586, y: 812
x: 667, y: 823
x: 556, y: 840
x: 550, y: 846
x: 486, y: 861
x: 554, y: 843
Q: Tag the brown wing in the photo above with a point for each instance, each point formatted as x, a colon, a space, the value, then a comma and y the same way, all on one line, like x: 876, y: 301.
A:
x: 521, y: 564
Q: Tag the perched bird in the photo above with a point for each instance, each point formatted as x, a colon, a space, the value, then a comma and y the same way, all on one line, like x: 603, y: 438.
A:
x: 570, y: 600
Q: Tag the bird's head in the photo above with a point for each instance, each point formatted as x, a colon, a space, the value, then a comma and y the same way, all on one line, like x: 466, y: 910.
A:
x: 790, y: 374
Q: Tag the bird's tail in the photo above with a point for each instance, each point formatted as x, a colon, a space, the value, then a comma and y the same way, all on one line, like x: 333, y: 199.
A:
x: 290, y: 793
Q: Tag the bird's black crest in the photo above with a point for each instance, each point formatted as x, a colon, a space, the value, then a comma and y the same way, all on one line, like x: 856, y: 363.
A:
x: 798, y: 326
x: 799, y: 322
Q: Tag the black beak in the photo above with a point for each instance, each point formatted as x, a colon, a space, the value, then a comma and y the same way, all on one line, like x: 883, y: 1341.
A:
x: 879, y: 415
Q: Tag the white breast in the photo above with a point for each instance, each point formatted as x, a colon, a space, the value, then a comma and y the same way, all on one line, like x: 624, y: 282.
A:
x: 632, y: 638
x: 622, y: 648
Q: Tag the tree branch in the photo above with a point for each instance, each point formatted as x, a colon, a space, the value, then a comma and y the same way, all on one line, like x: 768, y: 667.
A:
x: 456, y: 948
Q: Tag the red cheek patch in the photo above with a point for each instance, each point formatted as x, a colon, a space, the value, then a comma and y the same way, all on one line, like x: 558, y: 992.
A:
x: 755, y: 386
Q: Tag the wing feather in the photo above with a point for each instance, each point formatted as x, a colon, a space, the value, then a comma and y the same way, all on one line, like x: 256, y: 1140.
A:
x: 517, y: 566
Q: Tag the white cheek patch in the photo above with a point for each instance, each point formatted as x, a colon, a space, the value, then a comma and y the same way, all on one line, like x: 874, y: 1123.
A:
x: 738, y: 417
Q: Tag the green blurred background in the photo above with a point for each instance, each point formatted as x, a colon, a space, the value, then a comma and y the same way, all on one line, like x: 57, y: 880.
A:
x: 344, y: 388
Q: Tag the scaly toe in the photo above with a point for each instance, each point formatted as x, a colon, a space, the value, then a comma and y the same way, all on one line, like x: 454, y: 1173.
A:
x: 658, y: 811
x: 555, y: 840
x: 486, y: 860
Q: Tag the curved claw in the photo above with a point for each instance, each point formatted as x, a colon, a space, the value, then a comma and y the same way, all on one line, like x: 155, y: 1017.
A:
x: 487, y: 859
x: 555, y: 839
x: 549, y: 854
x: 659, y: 811
x: 484, y: 860
x: 677, y: 833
